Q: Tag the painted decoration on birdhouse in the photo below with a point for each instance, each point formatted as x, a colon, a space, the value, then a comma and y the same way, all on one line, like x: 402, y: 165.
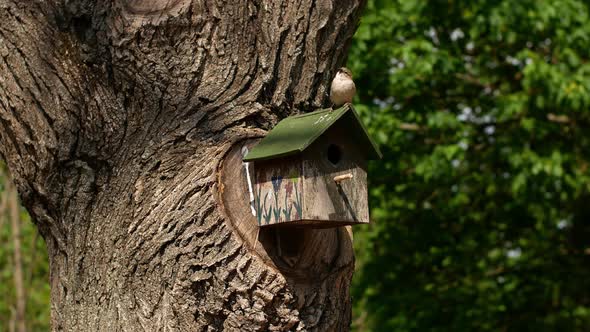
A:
x: 310, y: 170
x: 279, y: 191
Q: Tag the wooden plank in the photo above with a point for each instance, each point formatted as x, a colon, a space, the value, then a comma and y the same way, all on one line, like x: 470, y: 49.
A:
x: 342, y: 202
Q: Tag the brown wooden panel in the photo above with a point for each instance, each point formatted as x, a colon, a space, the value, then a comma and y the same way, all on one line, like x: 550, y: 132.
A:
x: 332, y: 155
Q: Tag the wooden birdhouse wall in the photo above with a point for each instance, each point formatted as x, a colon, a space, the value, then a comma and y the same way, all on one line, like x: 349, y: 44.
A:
x: 278, y: 190
x: 326, y: 201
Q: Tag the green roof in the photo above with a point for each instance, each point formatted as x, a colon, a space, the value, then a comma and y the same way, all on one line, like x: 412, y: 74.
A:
x: 295, y: 133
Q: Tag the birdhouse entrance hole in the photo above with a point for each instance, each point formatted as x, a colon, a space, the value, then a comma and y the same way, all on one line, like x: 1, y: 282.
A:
x: 334, y: 154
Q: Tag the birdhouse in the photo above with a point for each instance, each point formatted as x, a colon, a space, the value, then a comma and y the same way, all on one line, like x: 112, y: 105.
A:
x: 311, y: 170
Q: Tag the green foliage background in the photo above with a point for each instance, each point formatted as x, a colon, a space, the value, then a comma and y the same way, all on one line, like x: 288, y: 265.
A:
x: 481, y: 204
x: 35, y: 269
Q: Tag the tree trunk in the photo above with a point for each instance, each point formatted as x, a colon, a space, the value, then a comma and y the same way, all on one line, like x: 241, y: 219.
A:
x: 115, y: 119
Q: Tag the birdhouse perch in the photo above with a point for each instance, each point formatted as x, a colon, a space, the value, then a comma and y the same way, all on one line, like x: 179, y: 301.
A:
x: 311, y: 170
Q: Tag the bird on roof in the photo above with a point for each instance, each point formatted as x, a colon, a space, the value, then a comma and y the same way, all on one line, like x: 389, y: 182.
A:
x: 342, y: 89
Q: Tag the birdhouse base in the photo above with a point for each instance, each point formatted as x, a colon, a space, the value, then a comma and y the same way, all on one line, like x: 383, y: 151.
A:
x: 312, y: 224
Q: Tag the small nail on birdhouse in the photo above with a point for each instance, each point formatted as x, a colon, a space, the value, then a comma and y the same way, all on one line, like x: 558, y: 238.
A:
x: 311, y: 170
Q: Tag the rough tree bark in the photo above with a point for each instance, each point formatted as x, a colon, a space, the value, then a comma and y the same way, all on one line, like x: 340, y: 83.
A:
x: 115, y: 117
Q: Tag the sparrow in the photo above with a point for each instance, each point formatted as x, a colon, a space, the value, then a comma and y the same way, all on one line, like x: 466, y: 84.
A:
x: 343, y: 89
